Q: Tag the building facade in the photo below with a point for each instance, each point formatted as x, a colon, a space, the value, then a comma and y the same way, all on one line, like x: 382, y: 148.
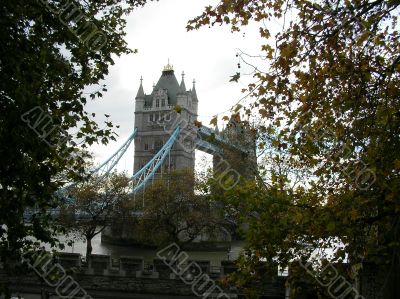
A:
x: 157, y: 115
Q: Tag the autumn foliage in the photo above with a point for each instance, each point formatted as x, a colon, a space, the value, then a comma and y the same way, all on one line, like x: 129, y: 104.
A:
x: 330, y: 102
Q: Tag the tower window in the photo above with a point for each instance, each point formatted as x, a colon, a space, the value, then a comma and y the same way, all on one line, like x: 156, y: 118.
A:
x: 158, y: 144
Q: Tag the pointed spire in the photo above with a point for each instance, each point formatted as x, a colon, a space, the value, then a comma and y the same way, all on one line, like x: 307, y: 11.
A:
x: 182, y: 87
x: 140, y: 93
x: 194, y: 94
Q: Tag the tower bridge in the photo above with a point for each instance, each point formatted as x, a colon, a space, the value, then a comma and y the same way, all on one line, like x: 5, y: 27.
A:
x: 169, y: 105
x: 154, y: 118
x: 165, y: 136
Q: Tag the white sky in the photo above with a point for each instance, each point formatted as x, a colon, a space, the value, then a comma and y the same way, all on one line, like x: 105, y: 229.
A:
x: 158, y: 31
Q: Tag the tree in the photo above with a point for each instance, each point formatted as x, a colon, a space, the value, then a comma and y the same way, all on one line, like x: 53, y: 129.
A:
x: 175, y: 211
x: 330, y: 98
x: 51, y: 52
x: 93, y: 206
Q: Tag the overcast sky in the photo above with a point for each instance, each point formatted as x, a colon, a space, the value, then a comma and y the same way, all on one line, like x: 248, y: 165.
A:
x: 208, y: 55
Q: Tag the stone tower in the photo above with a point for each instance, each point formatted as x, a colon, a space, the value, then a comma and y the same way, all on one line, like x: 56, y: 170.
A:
x: 240, y: 134
x: 156, y: 118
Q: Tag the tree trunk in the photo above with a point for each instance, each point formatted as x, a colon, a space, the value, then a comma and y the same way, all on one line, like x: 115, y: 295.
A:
x: 89, y: 249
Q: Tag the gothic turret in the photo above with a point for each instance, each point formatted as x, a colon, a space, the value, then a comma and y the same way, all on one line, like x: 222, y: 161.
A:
x: 182, y: 86
x: 140, y: 97
x: 194, y: 93
x: 194, y: 100
x: 155, y: 114
x: 182, y: 94
x: 140, y: 94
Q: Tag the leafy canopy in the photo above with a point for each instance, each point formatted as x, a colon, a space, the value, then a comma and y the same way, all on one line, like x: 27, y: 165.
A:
x: 94, y: 205
x: 46, y: 64
x: 330, y: 103
x: 176, y: 210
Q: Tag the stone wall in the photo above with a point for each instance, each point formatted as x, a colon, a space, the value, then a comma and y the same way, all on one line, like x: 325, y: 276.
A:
x: 130, y: 277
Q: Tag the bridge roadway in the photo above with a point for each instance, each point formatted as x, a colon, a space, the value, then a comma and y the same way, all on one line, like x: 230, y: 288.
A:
x: 204, y: 143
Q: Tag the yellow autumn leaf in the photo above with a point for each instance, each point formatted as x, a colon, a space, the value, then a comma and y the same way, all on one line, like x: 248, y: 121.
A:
x: 353, y: 214
x: 263, y: 112
x: 198, y: 123
x: 214, y: 121
x: 237, y: 108
x: 178, y: 109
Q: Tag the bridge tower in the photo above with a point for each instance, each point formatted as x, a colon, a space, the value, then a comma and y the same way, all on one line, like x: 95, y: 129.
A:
x: 154, y: 118
x: 238, y: 155
x: 242, y: 135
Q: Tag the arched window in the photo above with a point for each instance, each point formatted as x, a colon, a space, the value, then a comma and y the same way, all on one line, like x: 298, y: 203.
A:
x: 158, y: 103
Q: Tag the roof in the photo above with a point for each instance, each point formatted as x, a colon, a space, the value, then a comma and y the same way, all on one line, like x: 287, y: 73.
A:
x: 169, y: 82
x: 140, y: 94
x: 194, y: 93
x: 182, y: 87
